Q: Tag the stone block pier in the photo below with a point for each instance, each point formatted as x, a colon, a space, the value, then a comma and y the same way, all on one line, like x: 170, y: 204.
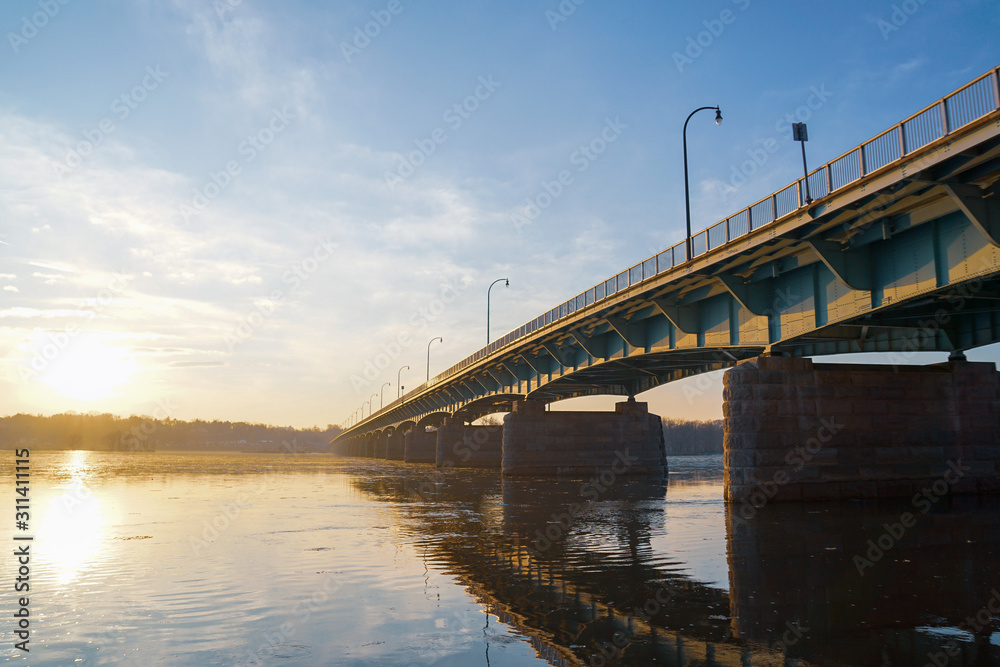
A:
x: 462, y: 446
x: 420, y: 446
x: 627, y: 441
x: 795, y: 430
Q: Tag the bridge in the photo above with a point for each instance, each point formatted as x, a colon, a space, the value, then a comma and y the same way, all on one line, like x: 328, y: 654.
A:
x: 898, y: 252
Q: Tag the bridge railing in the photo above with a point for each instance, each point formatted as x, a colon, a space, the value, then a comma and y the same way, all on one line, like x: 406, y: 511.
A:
x: 933, y: 123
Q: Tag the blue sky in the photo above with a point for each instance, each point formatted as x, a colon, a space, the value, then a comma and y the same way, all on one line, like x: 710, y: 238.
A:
x: 226, y: 209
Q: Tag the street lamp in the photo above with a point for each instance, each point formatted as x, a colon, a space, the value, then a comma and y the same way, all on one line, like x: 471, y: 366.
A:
x: 400, y: 390
x: 370, y: 411
x: 506, y: 284
x: 687, y: 196
x: 429, y: 356
x: 381, y: 398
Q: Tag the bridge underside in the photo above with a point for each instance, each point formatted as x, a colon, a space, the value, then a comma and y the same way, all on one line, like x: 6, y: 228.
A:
x: 914, y: 267
x: 905, y: 259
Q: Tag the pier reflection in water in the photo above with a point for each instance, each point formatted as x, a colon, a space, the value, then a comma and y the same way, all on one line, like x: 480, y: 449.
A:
x: 618, y: 574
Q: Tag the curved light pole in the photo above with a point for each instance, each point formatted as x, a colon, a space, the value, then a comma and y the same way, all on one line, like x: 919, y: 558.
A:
x: 400, y: 387
x: 381, y: 399
x: 507, y: 284
x: 687, y: 196
x: 429, y: 356
x: 370, y: 410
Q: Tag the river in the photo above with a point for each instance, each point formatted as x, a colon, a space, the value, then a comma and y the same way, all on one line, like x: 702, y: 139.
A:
x: 226, y: 559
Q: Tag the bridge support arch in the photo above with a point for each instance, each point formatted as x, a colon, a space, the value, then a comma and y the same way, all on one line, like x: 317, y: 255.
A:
x: 795, y: 430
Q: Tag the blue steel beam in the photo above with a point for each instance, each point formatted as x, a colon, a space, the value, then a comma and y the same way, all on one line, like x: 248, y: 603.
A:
x: 903, y: 259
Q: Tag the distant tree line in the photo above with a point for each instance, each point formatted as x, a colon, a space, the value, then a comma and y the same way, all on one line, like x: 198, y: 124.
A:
x: 107, y: 432
x: 684, y: 437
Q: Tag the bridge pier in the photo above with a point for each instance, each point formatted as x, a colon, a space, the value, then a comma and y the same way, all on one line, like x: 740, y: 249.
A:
x: 420, y: 446
x: 380, y: 445
x: 795, y: 430
x: 462, y: 446
x: 395, y: 446
x: 627, y: 441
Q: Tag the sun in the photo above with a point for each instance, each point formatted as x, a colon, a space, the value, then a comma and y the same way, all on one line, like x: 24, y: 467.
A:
x: 88, y: 369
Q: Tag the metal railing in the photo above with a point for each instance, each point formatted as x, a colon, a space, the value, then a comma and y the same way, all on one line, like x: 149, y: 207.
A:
x: 968, y: 104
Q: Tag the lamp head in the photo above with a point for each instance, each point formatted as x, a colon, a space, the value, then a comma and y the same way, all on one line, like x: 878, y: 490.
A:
x: 506, y: 283
x: 718, y: 116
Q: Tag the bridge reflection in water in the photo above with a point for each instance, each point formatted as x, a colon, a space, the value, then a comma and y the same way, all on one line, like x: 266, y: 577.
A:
x: 583, y: 573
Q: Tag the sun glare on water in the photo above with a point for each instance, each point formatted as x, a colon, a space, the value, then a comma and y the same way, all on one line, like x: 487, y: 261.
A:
x: 89, y: 369
x: 73, y: 524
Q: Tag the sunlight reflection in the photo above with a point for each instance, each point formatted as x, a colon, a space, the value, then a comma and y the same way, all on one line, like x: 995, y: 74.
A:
x: 72, y: 525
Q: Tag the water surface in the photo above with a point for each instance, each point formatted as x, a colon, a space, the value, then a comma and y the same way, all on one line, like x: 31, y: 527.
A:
x: 222, y: 559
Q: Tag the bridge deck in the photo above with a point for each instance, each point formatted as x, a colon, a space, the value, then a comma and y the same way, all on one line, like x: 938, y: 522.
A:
x: 902, y: 227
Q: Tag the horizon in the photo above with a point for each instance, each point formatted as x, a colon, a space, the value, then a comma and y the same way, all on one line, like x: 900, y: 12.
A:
x: 233, y: 209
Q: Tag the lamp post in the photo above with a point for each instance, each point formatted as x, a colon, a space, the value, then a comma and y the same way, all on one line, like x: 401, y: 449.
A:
x: 381, y: 398
x: 400, y: 387
x: 506, y: 284
x: 429, y: 356
x: 370, y: 410
x: 687, y: 196
x: 800, y: 133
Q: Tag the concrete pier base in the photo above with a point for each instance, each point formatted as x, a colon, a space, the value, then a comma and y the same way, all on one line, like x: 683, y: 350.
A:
x: 395, y: 446
x: 462, y: 446
x: 628, y: 441
x: 421, y: 446
x: 795, y: 430
x: 380, y: 445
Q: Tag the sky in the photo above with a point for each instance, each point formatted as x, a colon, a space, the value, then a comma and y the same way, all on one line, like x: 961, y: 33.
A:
x: 229, y: 209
